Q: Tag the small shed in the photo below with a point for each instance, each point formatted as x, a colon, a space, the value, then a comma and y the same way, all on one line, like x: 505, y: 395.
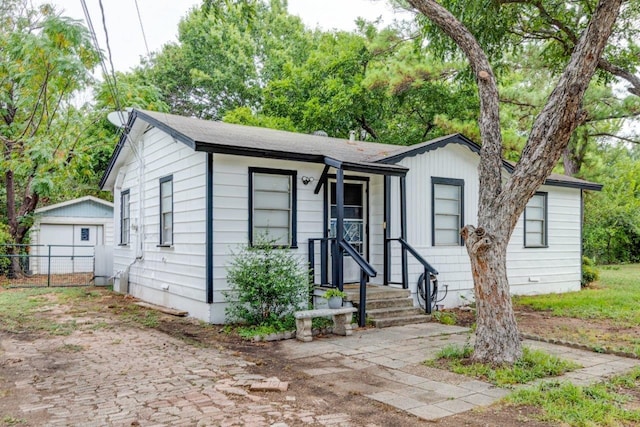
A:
x: 73, y: 228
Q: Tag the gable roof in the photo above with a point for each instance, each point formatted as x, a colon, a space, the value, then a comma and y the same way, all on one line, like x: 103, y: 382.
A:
x: 413, y: 150
x: 80, y: 200
x: 369, y: 157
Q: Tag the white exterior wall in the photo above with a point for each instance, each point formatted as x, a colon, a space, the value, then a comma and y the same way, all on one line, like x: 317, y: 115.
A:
x: 556, y: 268
x: 168, y: 276
x: 530, y: 270
x: 231, y: 215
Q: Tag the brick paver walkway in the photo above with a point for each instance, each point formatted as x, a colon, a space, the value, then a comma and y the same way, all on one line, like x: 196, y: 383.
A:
x: 122, y: 376
x: 127, y: 376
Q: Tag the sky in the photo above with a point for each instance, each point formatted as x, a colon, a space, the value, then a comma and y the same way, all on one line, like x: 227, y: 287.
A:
x: 160, y: 20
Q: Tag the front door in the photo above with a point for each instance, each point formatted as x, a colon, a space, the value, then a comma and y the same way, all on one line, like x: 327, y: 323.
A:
x: 355, y: 223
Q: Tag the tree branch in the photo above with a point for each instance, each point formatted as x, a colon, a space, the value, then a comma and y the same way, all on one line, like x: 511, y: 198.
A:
x: 491, y: 152
x: 621, y: 138
x: 563, y: 111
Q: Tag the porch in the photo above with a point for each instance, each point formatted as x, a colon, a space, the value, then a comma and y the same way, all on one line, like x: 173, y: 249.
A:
x: 342, y: 258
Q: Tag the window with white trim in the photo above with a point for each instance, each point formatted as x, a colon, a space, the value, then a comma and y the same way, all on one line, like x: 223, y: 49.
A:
x: 535, y: 222
x: 125, y: 218
x: 272, y: 206
x: 166, y: 211
x: 447, y: 203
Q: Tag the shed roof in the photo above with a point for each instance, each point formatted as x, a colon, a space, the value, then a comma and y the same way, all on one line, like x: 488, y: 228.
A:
x: 219, y: 137
x: 88, y: 200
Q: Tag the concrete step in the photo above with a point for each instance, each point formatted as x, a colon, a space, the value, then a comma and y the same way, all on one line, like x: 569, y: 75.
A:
x: 388, y: 303
x: 389, y: 312
x: 378, y: 293
x: 400, y: 321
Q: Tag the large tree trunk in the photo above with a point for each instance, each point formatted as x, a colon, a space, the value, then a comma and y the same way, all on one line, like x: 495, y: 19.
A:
x: 500, y: 205
x: 497, y: 337
x: 17, y: 229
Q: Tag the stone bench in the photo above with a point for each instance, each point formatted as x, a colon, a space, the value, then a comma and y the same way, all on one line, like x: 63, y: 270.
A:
x: 341, y: 321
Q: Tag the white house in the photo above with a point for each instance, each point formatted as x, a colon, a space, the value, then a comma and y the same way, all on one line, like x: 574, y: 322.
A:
x: 70, y: 231
x: 188, y: 191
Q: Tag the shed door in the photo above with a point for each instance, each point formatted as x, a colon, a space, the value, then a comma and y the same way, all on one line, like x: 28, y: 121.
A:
x: 85, y: 239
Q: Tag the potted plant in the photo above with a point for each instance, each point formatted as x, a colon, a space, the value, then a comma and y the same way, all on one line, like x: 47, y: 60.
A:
x: 334, y: 297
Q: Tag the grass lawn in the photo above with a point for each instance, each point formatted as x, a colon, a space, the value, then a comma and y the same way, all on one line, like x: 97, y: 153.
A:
x: 604, y: 317
x: 613, y: 403
x: 616, y: 296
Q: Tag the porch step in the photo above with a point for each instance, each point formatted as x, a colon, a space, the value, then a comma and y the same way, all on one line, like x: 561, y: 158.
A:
x: 387, y: 306
x: 393, y: 312
x: 400, y: 321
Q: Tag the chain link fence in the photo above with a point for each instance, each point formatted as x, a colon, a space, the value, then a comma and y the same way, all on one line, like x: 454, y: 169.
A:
x: 46, y: 265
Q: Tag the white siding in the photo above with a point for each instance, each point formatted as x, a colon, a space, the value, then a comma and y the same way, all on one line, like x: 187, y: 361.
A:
x: 231, y: 214
x: 530, y: 270
x: 169, y: 276
x: 555, y: 268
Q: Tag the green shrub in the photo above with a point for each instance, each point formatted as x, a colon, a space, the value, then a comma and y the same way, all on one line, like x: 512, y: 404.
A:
x: 266, y: 283
x: 590, y: 272
x: 5, y: 238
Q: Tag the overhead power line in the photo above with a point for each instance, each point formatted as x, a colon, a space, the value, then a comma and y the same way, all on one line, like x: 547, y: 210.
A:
x: 144, y: 37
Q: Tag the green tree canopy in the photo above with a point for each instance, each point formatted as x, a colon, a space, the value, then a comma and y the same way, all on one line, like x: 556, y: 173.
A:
x: 45, y: 59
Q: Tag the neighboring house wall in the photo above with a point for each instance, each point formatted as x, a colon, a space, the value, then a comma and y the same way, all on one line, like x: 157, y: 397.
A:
x: 555, y: 268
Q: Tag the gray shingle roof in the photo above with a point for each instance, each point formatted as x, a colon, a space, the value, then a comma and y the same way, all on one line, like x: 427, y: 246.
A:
x: 220, y: 137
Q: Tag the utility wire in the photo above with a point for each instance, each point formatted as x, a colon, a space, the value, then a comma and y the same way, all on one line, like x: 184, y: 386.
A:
x: 110, y: 79
x: 113, y: 71
x: 144, y: 37
x: 105, y: 72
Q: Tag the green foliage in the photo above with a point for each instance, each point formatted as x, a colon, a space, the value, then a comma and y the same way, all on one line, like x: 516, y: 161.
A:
x: 445, y: 317
x: 590, y: 272
x: 273, y: 326
x: 45, y: 59
x: 244, y: 116
x: 266, y: 284
x: 612, y: 217
x: 334, y: 292
x: 532, y: 365
x: 5, y: 239
x: 600, y: 404
x: 225, y: 56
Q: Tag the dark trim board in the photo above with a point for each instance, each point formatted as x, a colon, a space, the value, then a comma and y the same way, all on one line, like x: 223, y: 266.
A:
x: 446, y: 181
x: 464, y: 141
x: 161, y: 239
x: 545, y: 230
x: 209, y: 222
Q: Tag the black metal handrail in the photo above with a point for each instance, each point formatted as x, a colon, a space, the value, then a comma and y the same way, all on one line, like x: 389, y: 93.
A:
x: 428, y: 271
x: 366, y: 271
x: 362, y: 263
x: 417, y: 256
x: 324, y: 251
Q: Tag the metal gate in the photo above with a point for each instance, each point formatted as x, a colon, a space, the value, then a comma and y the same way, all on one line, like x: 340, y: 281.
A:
x: 46, y: 265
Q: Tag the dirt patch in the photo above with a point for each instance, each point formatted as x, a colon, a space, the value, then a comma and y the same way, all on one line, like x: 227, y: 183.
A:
x: 594, y: 334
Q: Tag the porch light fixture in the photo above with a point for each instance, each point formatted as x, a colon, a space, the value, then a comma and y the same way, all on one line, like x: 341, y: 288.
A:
x: 307, y: 179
